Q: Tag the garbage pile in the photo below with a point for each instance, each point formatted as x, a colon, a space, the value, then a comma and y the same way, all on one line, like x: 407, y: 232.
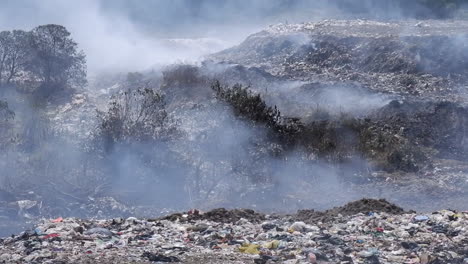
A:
x: 386, y: 235
x: 423, y: 59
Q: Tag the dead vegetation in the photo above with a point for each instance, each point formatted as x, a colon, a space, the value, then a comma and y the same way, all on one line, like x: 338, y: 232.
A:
x: 401, y: 136
x: 134, y: 115
x: 6, y: 118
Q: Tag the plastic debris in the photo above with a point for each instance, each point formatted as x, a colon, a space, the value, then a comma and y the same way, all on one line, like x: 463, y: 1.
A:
x: 298, y: 226
x: 50, y: 236
x: 159, y: 257
x: 272, y: 244
x: 220, y: 238
x: 57, y: 220
x: 249, y: 249
x: 312, y: 258
x: 421, y: 218
x: 99, y: 231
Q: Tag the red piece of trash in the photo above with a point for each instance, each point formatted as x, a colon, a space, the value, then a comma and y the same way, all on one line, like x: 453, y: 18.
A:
x: 57, y: 220
x: 379, y: 229
x: 51, y: 235
x: 194, y: 212
x: 312, y: 258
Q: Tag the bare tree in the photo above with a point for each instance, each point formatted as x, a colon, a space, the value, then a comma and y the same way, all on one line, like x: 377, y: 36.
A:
x: 135, y: 116
x: 6, y: 116
x: 19, y: 55
x: 5, y: 40
x: 14, y: 54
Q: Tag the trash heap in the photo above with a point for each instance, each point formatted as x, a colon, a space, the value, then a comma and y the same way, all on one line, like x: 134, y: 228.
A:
x: 399, y: 57
x: 244, y: 236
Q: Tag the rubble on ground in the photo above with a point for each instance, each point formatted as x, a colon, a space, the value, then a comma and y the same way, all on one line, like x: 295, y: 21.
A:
x: 365, y: 231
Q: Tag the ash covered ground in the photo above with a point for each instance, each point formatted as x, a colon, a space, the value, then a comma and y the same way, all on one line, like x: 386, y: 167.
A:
x: 292, y: 123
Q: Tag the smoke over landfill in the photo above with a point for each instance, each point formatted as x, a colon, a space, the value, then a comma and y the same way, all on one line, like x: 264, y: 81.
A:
x: 148, y: 108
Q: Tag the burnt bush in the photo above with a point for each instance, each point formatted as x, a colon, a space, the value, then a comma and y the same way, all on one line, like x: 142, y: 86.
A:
x: 384, y: 146
x: 135, y: 116
x: 6, y: 114
x: 388, y: 148
x: 333, y: 139
x: 250, y: 106
x: 182, y: 82
x: 6, y: 125
x: 338, y: 139
x: 438, y: 125
x: 134, y: 148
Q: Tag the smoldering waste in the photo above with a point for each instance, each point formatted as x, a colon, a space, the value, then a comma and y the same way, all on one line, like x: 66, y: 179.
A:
x: 412, y: 131
x: 365, y: 231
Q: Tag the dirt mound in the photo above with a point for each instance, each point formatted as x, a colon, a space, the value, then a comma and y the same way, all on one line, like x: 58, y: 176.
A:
x: 221, y: 215
x: 368, y: 205
x: 365, y: 206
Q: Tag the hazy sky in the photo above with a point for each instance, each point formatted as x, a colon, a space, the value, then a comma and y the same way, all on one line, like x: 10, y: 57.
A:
x: 119, y: 35
x: 131, y: 35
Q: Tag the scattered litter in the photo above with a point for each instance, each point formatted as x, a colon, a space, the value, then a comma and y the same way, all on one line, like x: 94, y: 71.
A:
x: 421, y: 218
x: 99, y: 231
x: 249, y: 249
x: 380, y: 237
x: 159, y: 257
x: 58, y: 220
x: 50, y: 236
